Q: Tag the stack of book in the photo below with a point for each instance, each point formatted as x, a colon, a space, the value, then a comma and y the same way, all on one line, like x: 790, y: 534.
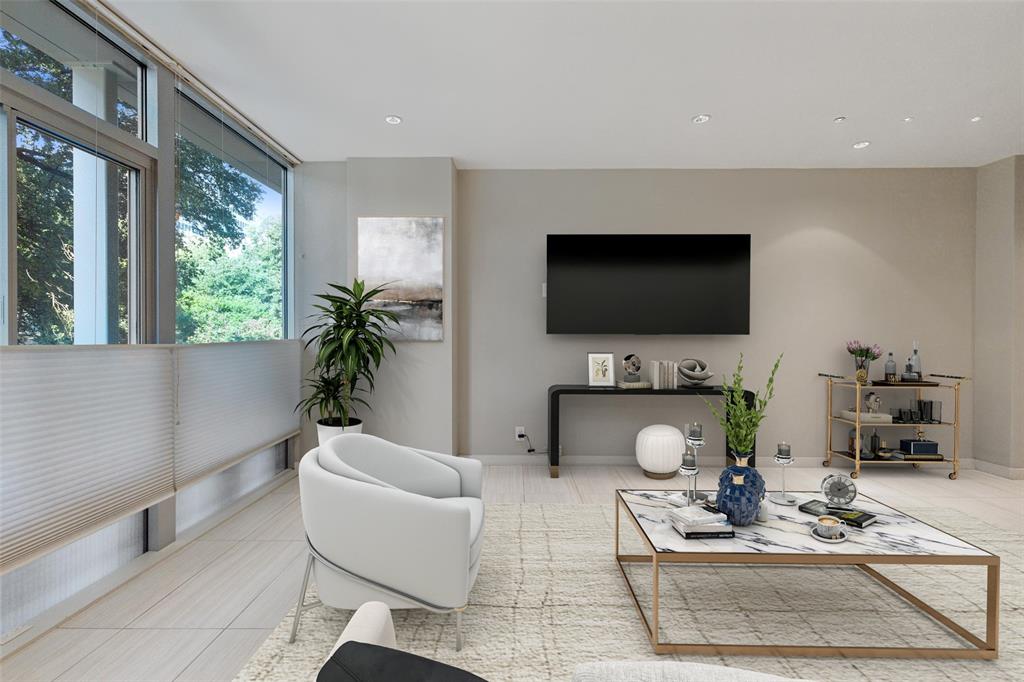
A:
x: 695, y: 523
x: 663, y: 374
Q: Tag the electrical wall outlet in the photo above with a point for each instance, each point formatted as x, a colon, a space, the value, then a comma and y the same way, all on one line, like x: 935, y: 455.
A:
x: 520, y: 433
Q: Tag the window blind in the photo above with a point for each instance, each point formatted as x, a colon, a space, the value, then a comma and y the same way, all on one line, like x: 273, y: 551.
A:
x: 234, y: 399
x: 91, y: 434
x: 201, y: 127
x: 85, y: 438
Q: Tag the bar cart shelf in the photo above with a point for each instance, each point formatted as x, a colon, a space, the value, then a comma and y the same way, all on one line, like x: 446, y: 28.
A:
x: 833, y: 382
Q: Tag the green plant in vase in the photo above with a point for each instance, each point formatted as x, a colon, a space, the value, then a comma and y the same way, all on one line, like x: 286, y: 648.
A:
x: 350, y: 335
x: 741, y: 487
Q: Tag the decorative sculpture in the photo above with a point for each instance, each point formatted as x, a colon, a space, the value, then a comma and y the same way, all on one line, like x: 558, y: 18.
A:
x: 693, y: 372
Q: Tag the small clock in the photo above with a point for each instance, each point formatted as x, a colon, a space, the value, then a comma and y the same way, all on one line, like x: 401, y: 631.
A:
x: 838, y: 489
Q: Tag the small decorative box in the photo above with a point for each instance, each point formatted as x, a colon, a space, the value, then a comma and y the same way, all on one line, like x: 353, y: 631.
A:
x: 914, y: 446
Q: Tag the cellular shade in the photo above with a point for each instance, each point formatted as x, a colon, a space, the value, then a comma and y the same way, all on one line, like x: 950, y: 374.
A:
x: 91, y: 434
x: 86, y: 437
x: 234, y: 399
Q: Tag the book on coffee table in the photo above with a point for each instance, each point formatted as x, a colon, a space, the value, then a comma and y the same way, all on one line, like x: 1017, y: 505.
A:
x: 707, y: 535
x: 698, y: 523
x: 852, y: 517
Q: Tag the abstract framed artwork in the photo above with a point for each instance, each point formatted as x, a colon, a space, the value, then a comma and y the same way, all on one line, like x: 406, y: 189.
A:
x: 406, y: 255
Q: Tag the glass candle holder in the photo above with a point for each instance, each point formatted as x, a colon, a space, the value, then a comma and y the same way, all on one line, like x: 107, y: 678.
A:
x: 694, y: 441
x: 783, y: 457
x: 784, y: 453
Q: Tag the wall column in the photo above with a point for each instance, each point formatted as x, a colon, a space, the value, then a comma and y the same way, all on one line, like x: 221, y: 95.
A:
x: 415, y: 398
x: 998, y: 324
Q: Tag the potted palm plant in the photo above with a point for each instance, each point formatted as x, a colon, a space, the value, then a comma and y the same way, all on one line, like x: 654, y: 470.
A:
x: 350, y: 336
x: 741, y: 487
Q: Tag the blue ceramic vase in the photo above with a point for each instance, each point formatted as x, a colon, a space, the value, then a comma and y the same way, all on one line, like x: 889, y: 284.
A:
x: 740, y: 489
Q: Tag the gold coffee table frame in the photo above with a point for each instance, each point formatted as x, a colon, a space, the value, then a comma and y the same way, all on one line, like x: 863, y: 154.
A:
x: 987, y: 648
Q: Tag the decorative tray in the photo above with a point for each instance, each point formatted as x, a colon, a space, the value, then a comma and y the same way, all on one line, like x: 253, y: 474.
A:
x: 881, y: 382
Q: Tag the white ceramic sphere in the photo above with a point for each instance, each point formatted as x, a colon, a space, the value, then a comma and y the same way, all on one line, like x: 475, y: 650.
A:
x: 659, y: 448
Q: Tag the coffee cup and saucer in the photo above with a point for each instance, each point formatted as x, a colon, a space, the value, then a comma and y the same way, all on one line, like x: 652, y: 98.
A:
x: 829, y: 528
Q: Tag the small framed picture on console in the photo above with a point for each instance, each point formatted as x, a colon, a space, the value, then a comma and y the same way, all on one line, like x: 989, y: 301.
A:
x: 601, y: 369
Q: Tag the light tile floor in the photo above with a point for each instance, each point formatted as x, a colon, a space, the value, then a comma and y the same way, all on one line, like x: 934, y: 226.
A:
x: 200, y: 614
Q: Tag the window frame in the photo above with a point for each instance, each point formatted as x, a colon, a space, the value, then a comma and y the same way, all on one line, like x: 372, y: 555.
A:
x: 27, y: 103
x: 91, y: 24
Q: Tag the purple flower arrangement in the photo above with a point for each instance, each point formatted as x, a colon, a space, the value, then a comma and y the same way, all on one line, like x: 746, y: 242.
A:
x: 863, y: 350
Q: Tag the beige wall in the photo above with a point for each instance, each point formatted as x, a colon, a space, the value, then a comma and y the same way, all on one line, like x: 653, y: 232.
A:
x: 414, y: 402
x: 999, y: 307
x: 882, y: 255
x: 1017, y: 461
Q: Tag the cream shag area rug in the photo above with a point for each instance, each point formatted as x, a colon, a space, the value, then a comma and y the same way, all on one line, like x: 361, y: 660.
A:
x: 550, y: 596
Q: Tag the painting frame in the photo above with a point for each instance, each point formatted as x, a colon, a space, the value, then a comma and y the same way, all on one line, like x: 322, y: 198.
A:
x: 601, y: 369
x: 406, y: 254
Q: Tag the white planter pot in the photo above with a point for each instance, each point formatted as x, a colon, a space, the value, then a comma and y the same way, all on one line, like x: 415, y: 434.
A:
x: 659, y: 450
x: 324, y: 433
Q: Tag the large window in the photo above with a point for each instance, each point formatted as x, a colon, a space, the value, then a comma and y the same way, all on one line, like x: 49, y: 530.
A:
x: 230, y: 232
x: 44, y: 44
x: 76, y: 213
x: 80, y: 222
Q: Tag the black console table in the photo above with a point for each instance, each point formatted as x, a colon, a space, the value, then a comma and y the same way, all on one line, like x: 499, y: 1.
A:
x: 558, y: 390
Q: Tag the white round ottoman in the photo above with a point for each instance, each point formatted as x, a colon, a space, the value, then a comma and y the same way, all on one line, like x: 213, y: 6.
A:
x: 659, y: 450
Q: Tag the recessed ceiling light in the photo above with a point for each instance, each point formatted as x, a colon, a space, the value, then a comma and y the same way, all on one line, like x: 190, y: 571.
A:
x: 701, y: 118
x: 862, y: 144
x: 839, y: 119
x: 908, y: 119
x: 975, y: 119
x: 393, y: 119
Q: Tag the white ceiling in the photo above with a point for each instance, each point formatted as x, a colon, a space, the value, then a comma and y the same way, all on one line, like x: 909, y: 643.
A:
x: 614, y: 84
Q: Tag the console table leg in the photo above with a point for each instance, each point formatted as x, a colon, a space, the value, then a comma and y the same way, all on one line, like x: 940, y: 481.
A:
x: 553, y: 446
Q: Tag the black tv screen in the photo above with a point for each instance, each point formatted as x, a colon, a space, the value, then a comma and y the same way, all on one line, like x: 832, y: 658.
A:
x: 648, y: 284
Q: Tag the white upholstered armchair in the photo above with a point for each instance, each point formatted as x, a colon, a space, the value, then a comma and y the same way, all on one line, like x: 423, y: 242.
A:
x: 390, y: 523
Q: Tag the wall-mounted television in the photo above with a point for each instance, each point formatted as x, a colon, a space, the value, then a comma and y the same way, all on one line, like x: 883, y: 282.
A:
x: 648, y: 284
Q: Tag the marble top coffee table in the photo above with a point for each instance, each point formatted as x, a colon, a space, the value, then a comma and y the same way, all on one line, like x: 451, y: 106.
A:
x: 895, y: 538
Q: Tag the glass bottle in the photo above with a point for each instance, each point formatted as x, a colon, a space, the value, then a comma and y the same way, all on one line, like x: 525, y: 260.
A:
x: 891, y: 374
x: 915, y: 362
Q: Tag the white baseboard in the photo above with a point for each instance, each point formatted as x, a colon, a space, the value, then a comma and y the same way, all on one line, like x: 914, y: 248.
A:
x: 61, y: 611
x: 603, y: 460
x: 510, y: 459
x: 1014, y: 473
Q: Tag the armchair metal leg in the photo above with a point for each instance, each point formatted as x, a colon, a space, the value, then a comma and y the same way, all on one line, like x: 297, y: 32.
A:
x: 458, y: 628
x: 300, y: 607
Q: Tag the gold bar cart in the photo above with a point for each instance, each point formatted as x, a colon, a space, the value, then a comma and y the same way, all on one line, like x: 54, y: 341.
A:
x: 833, y: 381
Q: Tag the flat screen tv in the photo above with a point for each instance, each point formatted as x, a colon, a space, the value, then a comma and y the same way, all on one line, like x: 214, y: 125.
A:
x: 648, y: 284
